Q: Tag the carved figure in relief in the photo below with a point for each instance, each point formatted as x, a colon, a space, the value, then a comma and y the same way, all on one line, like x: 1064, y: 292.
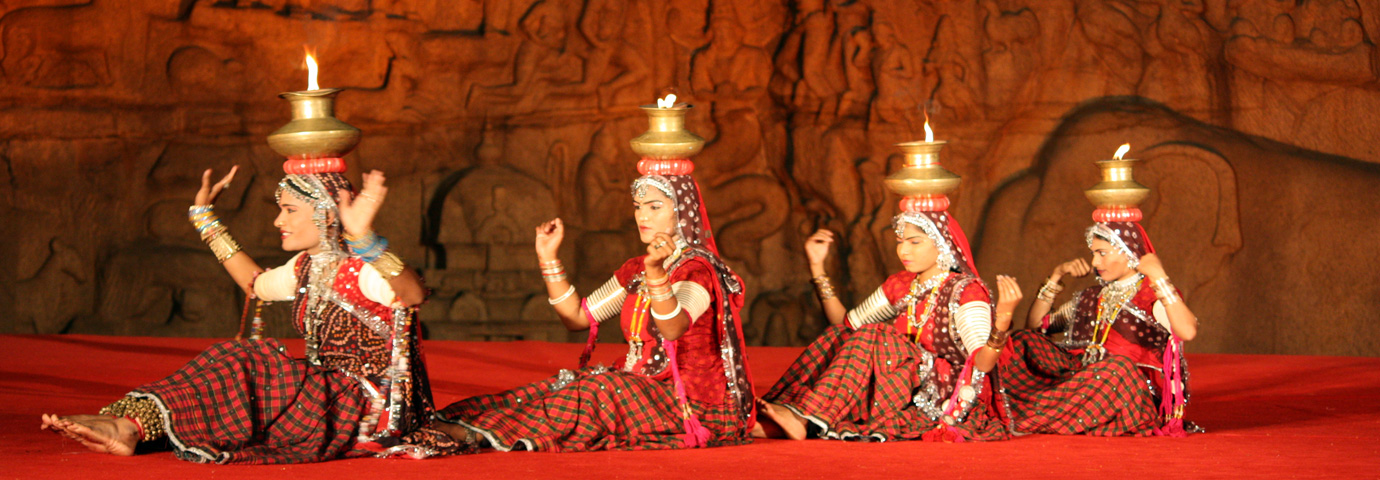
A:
x: 893, y: 67
x: 543, y: 63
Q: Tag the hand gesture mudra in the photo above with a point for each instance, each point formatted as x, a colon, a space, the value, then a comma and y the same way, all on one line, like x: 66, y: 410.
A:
x: 549, y: 236
x: 1151, y: 267
x: 662, y: 246
x: 1008, y: 295
x: 817, y: 246
x: 1077, y: 267
x: 357, y: 211
x: 208, y: 193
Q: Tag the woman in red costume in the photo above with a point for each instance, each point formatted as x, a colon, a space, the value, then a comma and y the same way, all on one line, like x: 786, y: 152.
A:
x: 683, y: 381
x: 361, y: 389
x: 1119, y: 368
x: 914, y: 360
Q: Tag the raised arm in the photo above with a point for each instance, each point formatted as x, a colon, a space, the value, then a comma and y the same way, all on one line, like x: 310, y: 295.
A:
x: 203, y: 217
x: 817, y: 251
x: 1044, y: 301
x: 1008, y: 295
x: 357, y: 219
x: 1182, y: 321
x: 559, y: 291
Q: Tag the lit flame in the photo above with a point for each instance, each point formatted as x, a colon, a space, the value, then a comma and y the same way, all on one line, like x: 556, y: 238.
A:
x: 668, y: 102
x: 1126, y: 147
x: 929, y: 134
x: 311, y: 70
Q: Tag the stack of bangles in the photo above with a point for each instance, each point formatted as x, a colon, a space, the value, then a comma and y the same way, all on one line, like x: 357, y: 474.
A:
x: 1165, y: 291
x: 658, y: 290
x: 553, y: 272
x: 998, y: 339
x: 212, y: 232
x: 373, y: 249
x: 826, y: 289
x: 1050, y: 290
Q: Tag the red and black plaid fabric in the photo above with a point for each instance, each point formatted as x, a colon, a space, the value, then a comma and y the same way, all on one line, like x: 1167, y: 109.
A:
x: 596, y: 409
x: 1051, y: 391
x: 859, y: 384
x: 251, y: 403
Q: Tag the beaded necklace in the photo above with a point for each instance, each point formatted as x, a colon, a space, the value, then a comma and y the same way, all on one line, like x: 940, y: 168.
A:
x: 915, y: 325
x: 641, y: 306
x: 1106, y: 317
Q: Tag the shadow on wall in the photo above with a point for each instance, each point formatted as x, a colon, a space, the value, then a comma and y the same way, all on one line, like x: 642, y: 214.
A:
x: 1268, y: 241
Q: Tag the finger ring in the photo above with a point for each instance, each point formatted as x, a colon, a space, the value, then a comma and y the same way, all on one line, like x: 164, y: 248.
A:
x: 659, y: 244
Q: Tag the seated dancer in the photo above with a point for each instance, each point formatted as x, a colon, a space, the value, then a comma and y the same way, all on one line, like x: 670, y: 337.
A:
x: 913, y: 360
x: 1119, y: 368
x: 683, y: 381
x: 362, y: 388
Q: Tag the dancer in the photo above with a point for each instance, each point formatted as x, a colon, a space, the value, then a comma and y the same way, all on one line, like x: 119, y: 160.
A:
x: 1119, y: 368
x: 683, y: 381
x: 360, y: 390
x: 913, y: 361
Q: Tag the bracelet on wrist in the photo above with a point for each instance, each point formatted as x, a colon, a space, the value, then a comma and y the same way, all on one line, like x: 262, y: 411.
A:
x: 824, y: 286
x: 565, y: 296
x: 998, y: 339
x: 388, y: 265
x: 223, y: 246
x: 660, y: 296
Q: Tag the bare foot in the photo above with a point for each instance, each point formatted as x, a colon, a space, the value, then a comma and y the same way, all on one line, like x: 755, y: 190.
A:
x: 766, y: 426
x: 100, y: 433
x: 455, y: 431
x: 791, y: 424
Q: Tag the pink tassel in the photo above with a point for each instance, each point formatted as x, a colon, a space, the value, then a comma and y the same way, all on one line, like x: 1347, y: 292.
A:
x: 593, y: 335
x: 964, y: 378
x: 695, y: 434
x: 1173, y: 399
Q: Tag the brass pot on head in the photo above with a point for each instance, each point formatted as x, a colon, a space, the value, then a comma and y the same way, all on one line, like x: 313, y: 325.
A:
x: 313, y: 132
x: 666, y: 136
x: 1117, y: 188
x: 921, y: 174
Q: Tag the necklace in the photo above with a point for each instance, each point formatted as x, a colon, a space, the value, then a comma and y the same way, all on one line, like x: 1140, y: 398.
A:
x: 915, y: 325
x: 641, y: 306
x: 1110, y: 301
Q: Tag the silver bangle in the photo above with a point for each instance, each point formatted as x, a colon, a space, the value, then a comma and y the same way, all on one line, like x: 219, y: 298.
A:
x: 563, y: 297
x: 674, y: 312
x: 657, y: 297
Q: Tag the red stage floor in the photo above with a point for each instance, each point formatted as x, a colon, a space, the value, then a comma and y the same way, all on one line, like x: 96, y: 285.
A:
x: 1267, y: 416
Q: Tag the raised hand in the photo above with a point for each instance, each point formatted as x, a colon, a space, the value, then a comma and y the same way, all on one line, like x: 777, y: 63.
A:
x: 1008, y: 295
x: 549, y: 236
x: 208, y: 193
x: 357, y: 211
x: 1151, y: 267
x: 662, y: 246
x: 1077, y: 267
x: 817, y: 246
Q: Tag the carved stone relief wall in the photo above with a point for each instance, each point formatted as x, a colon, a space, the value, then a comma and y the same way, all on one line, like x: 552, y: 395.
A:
x: 1253, y: 119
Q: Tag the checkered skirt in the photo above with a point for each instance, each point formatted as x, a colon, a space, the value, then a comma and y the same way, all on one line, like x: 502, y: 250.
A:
x: 249, y: 402
x: 858, y: 384
x: 590, y: 409
x: 1051, y: 391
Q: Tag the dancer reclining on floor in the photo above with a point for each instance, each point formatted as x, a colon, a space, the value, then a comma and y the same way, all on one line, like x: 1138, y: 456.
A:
x: 1119, y: 368
x: 913, y: 361
x: 683, y: 381
x: 362, y: 388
